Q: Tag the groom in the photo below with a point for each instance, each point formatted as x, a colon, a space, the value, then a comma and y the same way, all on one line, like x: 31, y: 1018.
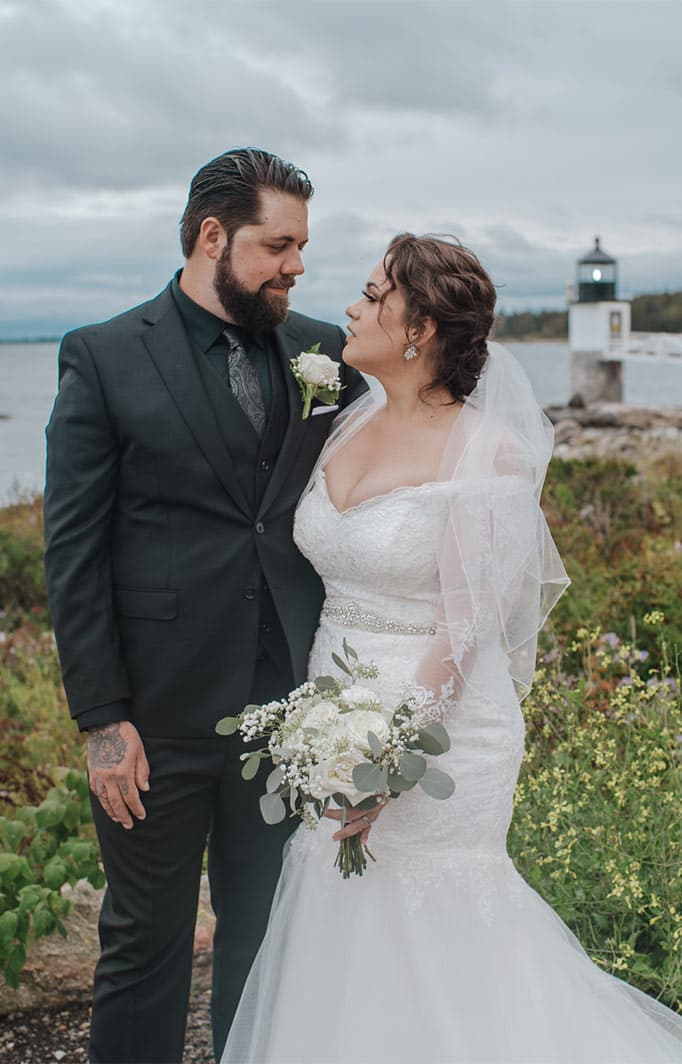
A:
x: 176, y: 455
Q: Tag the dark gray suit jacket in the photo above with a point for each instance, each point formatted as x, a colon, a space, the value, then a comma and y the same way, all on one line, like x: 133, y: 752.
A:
x: 155, y: 552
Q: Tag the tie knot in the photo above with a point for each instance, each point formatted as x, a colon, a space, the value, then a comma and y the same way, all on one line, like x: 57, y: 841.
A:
x: 234, y: 336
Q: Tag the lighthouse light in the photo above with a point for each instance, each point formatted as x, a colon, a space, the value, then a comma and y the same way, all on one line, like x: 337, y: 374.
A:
x: 596, y: 275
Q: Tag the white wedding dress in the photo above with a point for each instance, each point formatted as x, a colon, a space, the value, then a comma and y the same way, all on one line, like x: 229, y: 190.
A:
x: 440, y: 953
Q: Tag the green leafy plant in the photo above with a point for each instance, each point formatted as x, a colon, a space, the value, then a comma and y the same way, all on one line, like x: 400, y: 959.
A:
x: 41, y: 850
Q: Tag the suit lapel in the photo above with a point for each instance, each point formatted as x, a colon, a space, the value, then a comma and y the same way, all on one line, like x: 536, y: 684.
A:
x: 288, y: 346
x: 171, y: 353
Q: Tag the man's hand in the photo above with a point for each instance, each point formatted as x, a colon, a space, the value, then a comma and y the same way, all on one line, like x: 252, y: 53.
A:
x: 118, y: 770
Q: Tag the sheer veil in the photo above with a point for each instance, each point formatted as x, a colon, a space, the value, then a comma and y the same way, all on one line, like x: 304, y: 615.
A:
x: 500, y: 572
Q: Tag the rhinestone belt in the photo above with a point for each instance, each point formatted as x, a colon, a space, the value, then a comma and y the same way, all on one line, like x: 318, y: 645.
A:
x: 351, y: 613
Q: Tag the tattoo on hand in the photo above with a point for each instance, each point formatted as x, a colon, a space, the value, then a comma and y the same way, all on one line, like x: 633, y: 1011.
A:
x: 106, y: 746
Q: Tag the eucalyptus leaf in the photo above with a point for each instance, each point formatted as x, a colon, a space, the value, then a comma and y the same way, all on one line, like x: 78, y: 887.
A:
x: 434, y: 739
x: 437, y: 784
x: 375, y: 744
x: 412, y: 766
x: 349, y: 652
x: 251, y: 767
x: 275, y: 779
x: 367, y: 777
x: 227, y: 726
x: 326, y: 683
x: 399, y: 783
x: 341, y: 665
x: 272, y: 808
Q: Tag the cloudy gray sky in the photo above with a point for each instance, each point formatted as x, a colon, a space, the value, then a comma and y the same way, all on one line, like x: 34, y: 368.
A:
x: 521, y: 127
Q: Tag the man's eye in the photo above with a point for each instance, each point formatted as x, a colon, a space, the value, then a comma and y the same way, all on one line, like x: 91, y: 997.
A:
x: 277, y: 247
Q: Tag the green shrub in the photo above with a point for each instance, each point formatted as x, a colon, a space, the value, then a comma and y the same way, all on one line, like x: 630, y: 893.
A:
x: 22, y: 576
x: 618, y: 531
x: 597, y: 828
x: 35, y: 731
x: 42, y: 848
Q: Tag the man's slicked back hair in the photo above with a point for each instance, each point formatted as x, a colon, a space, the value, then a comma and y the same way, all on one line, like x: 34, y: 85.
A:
x: 228, y: 188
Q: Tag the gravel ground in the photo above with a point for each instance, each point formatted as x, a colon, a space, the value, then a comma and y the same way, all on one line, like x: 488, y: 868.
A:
x: 43, y: 1037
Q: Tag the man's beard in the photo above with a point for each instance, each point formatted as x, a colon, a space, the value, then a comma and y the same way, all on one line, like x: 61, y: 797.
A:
x: 254, y: 311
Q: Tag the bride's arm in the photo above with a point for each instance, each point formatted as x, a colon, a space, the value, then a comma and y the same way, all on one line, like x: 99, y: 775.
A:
x: 489, y: 583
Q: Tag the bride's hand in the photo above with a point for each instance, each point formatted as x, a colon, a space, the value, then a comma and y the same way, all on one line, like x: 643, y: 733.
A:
x: 358, y: 822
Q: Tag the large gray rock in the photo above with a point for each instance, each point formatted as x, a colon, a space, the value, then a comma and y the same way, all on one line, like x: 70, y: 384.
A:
x: 614, y: 430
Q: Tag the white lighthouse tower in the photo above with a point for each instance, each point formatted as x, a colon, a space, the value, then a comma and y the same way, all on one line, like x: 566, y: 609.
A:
x: 598, y: 328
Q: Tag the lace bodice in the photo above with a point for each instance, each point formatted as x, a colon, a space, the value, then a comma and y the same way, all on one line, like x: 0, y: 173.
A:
x: 382, y: 552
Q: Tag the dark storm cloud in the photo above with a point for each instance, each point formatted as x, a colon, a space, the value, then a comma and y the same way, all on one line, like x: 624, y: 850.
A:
x: 105, y: 97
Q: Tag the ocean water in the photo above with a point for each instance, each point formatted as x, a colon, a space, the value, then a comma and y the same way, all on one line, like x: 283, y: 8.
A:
x: 28, y: 382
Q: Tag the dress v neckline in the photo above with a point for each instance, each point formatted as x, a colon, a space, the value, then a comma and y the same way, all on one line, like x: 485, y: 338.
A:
x: 374, y: 498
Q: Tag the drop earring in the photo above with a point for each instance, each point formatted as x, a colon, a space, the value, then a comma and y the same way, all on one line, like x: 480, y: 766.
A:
x: 410, y: 352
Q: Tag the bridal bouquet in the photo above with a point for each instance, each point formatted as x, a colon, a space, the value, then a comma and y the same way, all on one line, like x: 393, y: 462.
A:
x: 332, y: 740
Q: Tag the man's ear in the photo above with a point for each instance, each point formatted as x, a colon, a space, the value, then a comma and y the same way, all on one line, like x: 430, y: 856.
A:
x: 212, y: 238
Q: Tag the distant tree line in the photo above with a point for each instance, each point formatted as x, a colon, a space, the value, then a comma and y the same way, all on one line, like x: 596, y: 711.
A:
x: 655, y: 312
x: 530, y: 325
x: 661, y: 312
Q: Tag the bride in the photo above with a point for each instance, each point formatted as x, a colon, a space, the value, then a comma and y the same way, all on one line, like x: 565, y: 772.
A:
x: 422, y: 519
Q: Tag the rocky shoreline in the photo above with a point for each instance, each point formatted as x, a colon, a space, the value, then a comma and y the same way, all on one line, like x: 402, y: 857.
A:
x: 615, y: 430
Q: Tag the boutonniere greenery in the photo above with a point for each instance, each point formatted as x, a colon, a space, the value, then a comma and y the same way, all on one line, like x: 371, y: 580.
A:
x: 317, y: 376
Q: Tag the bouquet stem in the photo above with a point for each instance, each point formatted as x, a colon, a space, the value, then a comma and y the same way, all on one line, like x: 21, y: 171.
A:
x: 352, y: 857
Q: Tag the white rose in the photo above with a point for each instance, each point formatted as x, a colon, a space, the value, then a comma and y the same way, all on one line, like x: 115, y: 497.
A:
x: 318, y: 369
x: 320, y: 716
x: 335, y: 776
x: 354, y: 727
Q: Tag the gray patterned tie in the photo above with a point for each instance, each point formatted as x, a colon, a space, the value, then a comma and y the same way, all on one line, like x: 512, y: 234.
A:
x: 244, y: 382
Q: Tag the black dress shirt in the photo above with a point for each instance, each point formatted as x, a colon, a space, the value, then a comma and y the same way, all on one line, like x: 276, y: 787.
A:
x: 206, y: 332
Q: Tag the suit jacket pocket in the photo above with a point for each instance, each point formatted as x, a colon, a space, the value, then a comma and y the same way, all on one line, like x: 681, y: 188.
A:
x: 149, y: 603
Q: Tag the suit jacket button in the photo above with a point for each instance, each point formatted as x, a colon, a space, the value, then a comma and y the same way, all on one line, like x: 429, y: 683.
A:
x: 250, y: 592
x: 265, y: 465
x: 260, y: 528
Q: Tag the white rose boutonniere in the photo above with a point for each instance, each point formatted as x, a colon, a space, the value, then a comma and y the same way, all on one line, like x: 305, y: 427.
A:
x: 318, y: 378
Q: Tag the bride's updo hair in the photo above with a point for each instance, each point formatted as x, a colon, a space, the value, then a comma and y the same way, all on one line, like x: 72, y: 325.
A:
x: 442, y: 280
